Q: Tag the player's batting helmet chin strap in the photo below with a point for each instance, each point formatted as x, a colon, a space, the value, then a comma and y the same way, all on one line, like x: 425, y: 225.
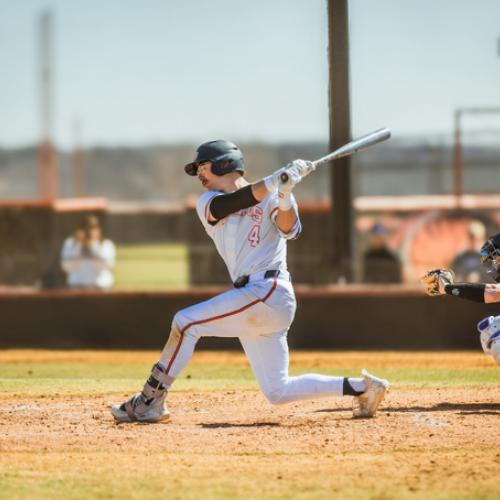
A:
x: 225, y: 156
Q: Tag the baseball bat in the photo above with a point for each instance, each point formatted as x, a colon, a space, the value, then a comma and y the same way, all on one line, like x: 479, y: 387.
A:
x: 364, y: 142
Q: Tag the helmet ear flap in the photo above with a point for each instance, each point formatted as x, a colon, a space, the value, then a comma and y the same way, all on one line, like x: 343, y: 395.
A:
x: 225, y: 166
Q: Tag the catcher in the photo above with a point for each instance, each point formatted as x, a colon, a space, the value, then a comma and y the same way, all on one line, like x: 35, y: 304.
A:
x: 441, y: 282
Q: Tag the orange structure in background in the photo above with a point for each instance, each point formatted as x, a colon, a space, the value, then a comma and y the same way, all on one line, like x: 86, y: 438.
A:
x: 77, y: 160
x: 427, y: 230
x: 47, y: 171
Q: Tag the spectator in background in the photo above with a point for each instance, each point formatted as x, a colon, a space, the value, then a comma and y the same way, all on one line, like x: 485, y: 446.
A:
x: 380, y: 263
x: 467, y: 264
x: 87, y: 257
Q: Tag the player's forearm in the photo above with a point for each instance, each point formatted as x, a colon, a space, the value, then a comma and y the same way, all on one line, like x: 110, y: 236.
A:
x: 227, y: 204
x: 248, y: 196
x: 286, y: 219
x: 259, y: 190
x: 476, y: 292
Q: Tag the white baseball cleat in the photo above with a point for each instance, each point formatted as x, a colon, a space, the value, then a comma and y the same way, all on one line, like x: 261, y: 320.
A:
x: 366, y: 404
x: 138, y: 409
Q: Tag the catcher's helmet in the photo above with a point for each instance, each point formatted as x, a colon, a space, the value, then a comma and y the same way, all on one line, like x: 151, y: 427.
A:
x: 225, y: 157
x: 489, y: 253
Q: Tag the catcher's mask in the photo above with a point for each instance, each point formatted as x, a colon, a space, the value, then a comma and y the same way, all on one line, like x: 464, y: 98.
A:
x: 225, y: 157
x: 489, y: 254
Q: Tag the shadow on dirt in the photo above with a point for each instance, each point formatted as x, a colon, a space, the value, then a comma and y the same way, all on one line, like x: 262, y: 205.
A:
x: 462, y: 408
x: 223, y: 425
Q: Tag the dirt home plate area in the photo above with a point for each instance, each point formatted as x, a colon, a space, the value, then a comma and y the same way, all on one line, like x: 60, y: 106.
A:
x: 435, y: 436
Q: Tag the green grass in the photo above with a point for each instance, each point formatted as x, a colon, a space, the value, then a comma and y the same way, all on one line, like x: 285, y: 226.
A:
x: 105, y: 378
x: 151, y: 267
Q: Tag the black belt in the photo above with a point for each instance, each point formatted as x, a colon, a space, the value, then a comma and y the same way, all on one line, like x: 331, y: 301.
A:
x: 243, y: 280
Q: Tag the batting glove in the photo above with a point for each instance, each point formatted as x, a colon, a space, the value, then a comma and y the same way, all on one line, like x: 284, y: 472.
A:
x: 303, y: 167
x: 294, y: 177
x: 285, y: 188
x: 273, y: 181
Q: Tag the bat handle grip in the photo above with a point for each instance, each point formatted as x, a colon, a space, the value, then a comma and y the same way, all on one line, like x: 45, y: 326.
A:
x: 284, y: 177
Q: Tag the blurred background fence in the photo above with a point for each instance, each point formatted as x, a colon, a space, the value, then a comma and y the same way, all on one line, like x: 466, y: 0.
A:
x: 102, y: 122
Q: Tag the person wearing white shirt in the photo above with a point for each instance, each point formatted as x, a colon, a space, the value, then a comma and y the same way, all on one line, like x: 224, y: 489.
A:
x: 88, y: 258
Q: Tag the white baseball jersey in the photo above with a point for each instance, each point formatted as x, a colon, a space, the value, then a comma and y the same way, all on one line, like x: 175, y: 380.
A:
x: 249, y: 241
x: 88, y: 268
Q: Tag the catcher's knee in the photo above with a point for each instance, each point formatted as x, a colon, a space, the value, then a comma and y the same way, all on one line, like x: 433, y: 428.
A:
x: 489, y: 329
x: 495, y: 351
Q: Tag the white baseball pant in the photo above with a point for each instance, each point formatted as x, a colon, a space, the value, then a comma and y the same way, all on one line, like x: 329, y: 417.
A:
x: 259, y: 314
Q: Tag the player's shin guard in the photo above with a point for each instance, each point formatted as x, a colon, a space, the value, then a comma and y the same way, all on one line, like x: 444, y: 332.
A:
x: 158, y: 383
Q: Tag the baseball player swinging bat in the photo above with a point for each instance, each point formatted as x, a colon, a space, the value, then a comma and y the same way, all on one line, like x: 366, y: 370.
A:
x: 250, y: 225
x: 360, y: 144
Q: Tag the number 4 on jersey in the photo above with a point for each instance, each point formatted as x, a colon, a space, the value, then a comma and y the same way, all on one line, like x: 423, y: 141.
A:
x: 254, y: 235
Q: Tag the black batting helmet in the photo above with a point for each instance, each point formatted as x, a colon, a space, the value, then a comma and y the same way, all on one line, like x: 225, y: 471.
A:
x: 225, y: 157
x: 489, y: 253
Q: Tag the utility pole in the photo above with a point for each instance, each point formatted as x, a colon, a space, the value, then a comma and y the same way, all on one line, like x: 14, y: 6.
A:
x: 47, y: 160
x: 340, y: 133
x: 458, y: 163
x: 78, y: 162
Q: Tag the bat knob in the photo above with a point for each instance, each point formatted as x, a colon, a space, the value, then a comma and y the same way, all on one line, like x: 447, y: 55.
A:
x: 284, y: 177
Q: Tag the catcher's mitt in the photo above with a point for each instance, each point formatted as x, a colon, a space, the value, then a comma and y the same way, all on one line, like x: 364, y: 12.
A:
x: 432, y: 279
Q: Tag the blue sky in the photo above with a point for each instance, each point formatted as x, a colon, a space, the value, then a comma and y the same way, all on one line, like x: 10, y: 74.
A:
x: 167, y: 71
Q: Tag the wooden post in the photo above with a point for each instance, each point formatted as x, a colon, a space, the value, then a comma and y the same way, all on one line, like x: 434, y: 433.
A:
x: 78, y: 163
x: 340, y: 133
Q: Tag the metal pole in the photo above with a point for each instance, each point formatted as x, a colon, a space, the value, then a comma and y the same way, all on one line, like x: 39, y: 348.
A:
x: 47, y: 161
x: 458, y: 165
x: 340, y: 133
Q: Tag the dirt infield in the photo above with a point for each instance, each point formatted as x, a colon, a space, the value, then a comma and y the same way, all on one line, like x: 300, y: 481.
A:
x: 231, y: 420
x: 442, y: 442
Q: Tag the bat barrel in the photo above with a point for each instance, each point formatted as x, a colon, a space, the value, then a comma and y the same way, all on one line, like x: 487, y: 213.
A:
x: 352, y: 147
x: 356, y: 145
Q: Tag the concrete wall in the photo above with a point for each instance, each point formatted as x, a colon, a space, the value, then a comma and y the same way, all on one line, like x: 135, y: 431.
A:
x: 349, y: 317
